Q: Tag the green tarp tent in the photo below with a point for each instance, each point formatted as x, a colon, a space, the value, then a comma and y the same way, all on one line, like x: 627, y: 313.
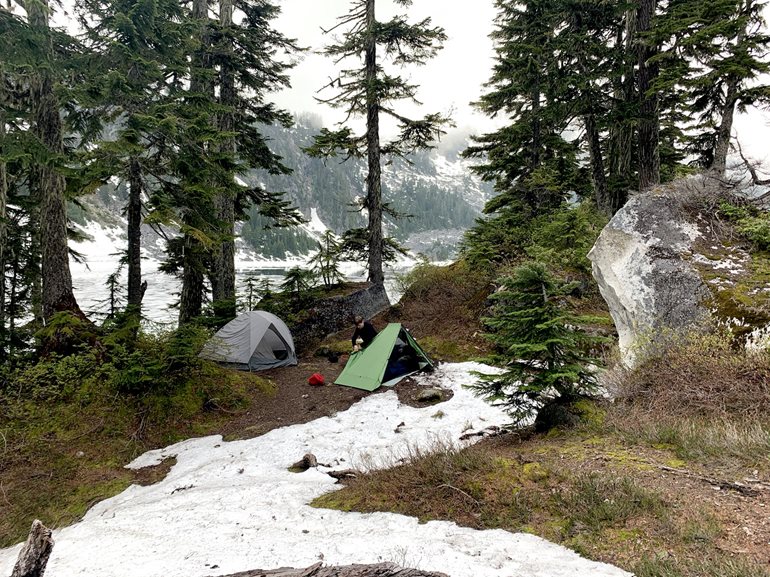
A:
x: 390, y: 357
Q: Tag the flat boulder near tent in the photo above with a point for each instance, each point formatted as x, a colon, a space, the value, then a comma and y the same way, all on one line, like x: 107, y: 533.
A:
x: 252, y: 341
x: 391, y: 356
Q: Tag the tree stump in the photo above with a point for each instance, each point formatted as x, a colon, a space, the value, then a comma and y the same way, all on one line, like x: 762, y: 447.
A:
x: 34, y: 555
x: 318, y: 570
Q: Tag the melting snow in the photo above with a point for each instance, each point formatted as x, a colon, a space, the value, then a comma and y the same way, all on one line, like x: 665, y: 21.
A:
x: 234, y: 506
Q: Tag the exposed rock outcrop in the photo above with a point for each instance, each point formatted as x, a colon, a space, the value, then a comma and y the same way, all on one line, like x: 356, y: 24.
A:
x: 336, y: 313
x: 662, y: 267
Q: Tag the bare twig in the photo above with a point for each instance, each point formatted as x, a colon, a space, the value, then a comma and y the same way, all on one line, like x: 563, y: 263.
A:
x: 752, y: 170
x: 448, y: 486
x: 721, y: 483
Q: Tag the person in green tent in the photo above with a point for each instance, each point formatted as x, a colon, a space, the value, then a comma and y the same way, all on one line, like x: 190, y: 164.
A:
x: 363, y: 334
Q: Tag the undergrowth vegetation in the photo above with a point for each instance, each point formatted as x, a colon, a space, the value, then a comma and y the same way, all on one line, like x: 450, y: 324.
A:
x: 702, y: 396
x: 69, y: 422
x: 642, y: 482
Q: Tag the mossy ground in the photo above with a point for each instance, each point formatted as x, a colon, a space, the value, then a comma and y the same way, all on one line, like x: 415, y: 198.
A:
x: 590, y: 489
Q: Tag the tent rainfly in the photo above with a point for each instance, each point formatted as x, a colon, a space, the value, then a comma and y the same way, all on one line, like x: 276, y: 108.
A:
x: 252, y: 341
x: 391, y: 356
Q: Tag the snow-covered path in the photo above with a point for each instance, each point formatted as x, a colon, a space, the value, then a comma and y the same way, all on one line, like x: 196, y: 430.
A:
x: 233, y: 506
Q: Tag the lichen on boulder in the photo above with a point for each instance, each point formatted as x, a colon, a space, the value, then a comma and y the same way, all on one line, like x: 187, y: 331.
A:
x: 667, y: 264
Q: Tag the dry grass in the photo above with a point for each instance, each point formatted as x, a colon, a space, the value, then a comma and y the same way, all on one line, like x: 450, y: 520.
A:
x: 703, y: 398
x: 701, y: 375
x: 441, y: 307
x: 594, y: 494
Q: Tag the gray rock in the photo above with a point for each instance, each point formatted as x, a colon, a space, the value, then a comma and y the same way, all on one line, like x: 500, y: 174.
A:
x: 431, y: 394
x: 643, y: 263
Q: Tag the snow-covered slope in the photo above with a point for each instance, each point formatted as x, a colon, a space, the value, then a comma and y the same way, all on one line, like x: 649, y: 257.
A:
x: 233, y: 506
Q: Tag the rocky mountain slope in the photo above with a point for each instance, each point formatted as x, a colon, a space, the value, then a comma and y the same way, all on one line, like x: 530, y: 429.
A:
x: 436, y: 189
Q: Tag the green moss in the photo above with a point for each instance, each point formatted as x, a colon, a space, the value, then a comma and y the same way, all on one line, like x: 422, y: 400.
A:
x: 535, y: 472
x: 742, y: 297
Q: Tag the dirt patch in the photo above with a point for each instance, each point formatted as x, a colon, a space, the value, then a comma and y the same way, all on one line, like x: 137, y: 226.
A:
x: 294, y: 401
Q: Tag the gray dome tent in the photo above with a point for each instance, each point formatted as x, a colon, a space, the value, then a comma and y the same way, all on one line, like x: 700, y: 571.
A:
x: 252, y: 341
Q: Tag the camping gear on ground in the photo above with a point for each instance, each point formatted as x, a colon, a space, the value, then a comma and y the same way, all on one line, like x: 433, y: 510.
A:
x: 316, y: 379
x: 252, y: 341
x: 391, y: 356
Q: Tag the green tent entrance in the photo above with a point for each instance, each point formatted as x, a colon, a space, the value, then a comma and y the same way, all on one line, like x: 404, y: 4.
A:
x: 391, y: 356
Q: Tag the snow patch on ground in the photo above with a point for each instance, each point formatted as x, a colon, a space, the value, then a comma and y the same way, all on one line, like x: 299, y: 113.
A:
x: 233, y: 506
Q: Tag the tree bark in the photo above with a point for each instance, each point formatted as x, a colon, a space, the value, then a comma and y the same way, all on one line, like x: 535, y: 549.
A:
x: 191, y: 300
x: 724, y: 135
x: 649, y: 121
x: 47, y: 127
x: 603, y: 201
x: 621, y: 135
x: 3, y: 232
x: 374, y: 177
x: 134, y: 231
x: 318, y: 570
x: 223, y: 273
x: 34, y: 555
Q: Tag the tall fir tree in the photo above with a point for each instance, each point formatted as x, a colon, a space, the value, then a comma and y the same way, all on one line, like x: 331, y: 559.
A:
x: 540, y: 345
x: 136, y: 46
x: 368, y: 91
x: 532, y: 165
x: 252, y: 59
x: 715, y: 58
x: 37, y: 52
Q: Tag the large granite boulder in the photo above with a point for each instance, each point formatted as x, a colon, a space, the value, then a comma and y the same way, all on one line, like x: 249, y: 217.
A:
x: 664, y: 269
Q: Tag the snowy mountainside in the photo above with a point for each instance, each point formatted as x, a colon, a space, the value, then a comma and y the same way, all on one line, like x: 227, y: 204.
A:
x: 435, y: 188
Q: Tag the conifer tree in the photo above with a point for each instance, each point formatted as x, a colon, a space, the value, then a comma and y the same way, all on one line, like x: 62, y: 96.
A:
x: 716, y: 56
x: 136, y: 47
x: 251, y: 58
x: 368, y: 91
x: 531, y: 164
x: 538, y: 344
x: 649, y: 112
x: 325, y: 260
x: 47, y: 181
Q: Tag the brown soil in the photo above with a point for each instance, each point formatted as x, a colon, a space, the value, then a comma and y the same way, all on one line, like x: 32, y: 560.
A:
x: 294, y: 401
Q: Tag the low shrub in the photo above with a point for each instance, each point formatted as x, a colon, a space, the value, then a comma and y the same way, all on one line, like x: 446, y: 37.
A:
x: 699, y: 375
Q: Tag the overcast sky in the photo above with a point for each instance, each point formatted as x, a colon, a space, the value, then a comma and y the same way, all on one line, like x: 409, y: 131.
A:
x: 449, y: 82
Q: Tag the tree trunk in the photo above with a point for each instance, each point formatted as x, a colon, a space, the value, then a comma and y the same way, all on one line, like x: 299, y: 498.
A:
x: 191, y: 300
x: 724, y: 135
x: 134, y: 214
x: 12, y: 301
x: 621, y: 137
x: 223, y: 273
x: 649, y: 122
x: 373, y: 179
x: 722, y: 147
x: 33, y: 557
x: 603, y: 201
x: 317, y: 570
x: 47, y: 127
x: 3, y: 232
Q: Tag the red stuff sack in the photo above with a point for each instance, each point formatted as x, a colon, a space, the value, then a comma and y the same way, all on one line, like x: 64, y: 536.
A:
x: 316, y: 379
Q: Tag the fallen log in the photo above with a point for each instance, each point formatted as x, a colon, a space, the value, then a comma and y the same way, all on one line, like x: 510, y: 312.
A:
x: 344, y: 474
x: 306, y: 462
x: 34, y: 555
x: 318, y: 570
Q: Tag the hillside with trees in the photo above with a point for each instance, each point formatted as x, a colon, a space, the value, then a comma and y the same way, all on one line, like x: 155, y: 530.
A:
x: 159, y: 115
